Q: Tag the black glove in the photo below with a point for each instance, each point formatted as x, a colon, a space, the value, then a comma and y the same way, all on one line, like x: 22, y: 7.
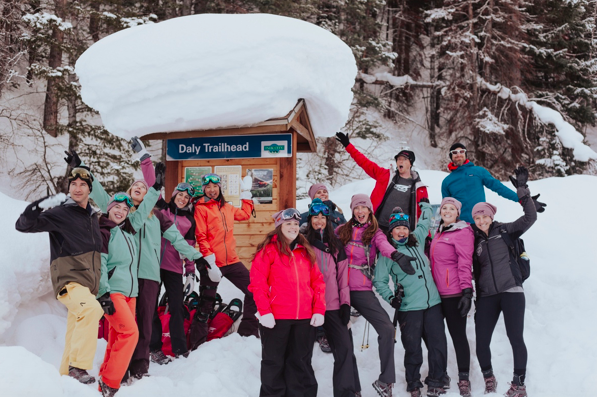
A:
x: 404, y: 262
x: 201, y: 264
x: 522, y: 177
x: 32, y: 211
x: 160, y: 176
x: 396, y: 301
x: 345, y: 314
x: 539, y: 206
x: 424, y: 200
x: 342, y: 138
x: 107, y: 304
x: 465, y: 302
x: 72, y: 159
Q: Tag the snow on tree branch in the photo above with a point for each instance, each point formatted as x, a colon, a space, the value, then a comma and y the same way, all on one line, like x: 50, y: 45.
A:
x: 396, y: 81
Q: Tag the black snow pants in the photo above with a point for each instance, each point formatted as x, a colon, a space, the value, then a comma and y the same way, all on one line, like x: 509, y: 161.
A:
x: 149, y: 291
x: 457, y: 328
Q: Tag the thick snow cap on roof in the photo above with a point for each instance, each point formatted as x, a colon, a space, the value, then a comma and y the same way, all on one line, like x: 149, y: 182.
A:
x: 217, y: 70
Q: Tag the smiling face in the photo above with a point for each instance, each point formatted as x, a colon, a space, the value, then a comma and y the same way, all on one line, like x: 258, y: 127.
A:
x: 138, y: 191
x: 400, y: 232
x: 118, y: 213
x: 321, y: 194
x: 483, y: 222
x: 181, y: 199
x: 79, y: 192
x: 403, y: 165
x: 460, y: 157
x: 318, y: 222
x: 290, y: 229
x: 211, y: 190
x: 361, y: 213
x: 449, y: 213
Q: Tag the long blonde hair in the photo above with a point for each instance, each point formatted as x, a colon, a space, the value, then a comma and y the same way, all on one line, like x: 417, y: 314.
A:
x: 135, y: 206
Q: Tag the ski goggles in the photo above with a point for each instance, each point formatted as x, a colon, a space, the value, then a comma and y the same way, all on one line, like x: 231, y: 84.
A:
x: 123, y: 198
x: 290, y: 213
x: 80, y: 172
x: 213, y: 178
x: 185, y: 187
x: 319, y: 208
x: 398, y: 217
x: 458, y: 151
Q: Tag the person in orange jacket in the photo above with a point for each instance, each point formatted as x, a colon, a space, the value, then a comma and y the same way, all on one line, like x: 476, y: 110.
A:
x: 290, y: 294
x: 215, y: 238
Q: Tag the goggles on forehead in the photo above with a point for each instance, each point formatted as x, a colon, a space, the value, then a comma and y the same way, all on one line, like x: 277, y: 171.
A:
x: 318, y: 208
x: 123, y: 198
x: 398, y: 217
x: 185, y: 187
x: 458, y: 151
x: 213, y: 178
x: 80, y: 172
x: 290, y: 213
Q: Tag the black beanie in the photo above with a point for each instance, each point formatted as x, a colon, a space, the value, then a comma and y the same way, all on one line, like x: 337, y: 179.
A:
x: 398, y: 222
x: 408, y: 154
x: 455, y: 146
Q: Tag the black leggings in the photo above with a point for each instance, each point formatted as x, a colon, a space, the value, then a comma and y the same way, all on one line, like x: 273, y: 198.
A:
x: 457, y: 328
x: 488, y: 310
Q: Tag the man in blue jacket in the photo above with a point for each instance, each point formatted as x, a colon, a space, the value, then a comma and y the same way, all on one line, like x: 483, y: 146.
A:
x: 466, y: 181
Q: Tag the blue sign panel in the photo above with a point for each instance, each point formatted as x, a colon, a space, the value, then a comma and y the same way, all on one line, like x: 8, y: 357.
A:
x: 230, y: 147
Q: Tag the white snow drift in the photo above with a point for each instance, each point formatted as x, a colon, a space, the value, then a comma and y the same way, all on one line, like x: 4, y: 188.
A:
x: 208, y: 71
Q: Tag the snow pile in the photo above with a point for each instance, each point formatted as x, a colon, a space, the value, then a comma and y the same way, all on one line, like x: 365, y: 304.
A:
x: 209, y: 71
x: 24, y: 263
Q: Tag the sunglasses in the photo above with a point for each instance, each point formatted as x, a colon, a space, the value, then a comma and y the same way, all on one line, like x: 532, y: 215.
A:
x: 185, y: 187
x: 458, y: 151
x: 213, y: 178
x: 398, y: 217
x: 290, y: 214
x: 80, y: 172
x: 318, y: 208
x: 123, y: 198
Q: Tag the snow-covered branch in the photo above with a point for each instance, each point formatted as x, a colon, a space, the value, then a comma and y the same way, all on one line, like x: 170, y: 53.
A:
x: 396, y: 81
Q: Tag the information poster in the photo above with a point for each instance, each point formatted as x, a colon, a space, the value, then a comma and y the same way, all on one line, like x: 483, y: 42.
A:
x: 230, y: 175
x: 193, y: 175
x: 262, y: 187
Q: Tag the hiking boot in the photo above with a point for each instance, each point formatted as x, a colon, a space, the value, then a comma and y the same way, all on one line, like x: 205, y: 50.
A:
x: 324, y: 345
x: 516, y: 391
x: 383, y: 389
x: 415, y: 393
x: 490, y: 385
x: 106, y: 390
x: 435, y: 391
x: 159, y: 357
x: 464, y: 386
x: 81, y: 375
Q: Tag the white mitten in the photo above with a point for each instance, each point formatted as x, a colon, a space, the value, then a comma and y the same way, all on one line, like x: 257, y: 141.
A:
x: 53, y: 201
x: 317, y: 320
x: 213, y: 271
x: 267, y: 320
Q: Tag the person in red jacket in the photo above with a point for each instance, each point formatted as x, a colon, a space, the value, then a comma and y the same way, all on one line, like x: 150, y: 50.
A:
x: 289, y: 291
x: 392, y: 189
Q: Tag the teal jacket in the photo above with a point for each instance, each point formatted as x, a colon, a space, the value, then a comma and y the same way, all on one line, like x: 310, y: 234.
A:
x: 420, y: 292
x: 149, y: 237
x: 120, y: 250
x: 466, y: 184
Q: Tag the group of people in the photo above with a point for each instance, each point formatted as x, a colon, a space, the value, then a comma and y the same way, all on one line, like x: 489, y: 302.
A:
x: 306, y: 274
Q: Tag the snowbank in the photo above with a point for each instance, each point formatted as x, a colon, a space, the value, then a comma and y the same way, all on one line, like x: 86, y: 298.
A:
x: 207, y: 71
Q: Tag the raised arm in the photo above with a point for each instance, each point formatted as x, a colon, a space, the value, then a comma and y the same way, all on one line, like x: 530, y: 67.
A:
x: 244, y: 212
x: 372, y: 169
x: 497, y: 186
x: 522, y: 224
x: 422, y: 229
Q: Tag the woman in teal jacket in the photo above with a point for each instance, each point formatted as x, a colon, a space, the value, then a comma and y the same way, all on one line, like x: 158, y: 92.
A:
x: 416, y: 301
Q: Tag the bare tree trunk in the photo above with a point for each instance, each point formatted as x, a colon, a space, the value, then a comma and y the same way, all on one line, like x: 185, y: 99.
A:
x: 186, y: 7
x: 488, y: 42
x: 54, y: 61
x: 330, y: 149
x: 433, y: 97
x: 94, y: 21
x: 73, y: 140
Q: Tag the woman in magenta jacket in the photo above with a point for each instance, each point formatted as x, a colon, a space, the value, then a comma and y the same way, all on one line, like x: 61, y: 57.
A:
x: 451, y: 257
x: 289, y: 292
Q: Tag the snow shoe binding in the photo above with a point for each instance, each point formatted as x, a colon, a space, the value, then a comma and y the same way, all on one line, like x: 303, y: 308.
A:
x: 81, y: 375
x: 159, y: 357
x: 464, y: 386
x: 383, y: 389
x: 435, y: 391
x: 106, y: 390
x: 516, y: 391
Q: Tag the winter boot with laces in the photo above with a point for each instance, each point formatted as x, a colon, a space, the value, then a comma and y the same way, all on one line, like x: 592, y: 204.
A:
x: 159, y: 357
x: 516, y: 391
x: 490, y: 384
x: 106, y: 390
x: 435, y: 391
x: 383, y: 389
x: 324, y: 345
x: 81, y: 375
x: 464, y: 386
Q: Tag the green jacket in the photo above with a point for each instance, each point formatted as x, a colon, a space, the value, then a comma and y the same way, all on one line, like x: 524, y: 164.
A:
x: 420, y: 292
x: 149, y: 236
x: 120, y: 250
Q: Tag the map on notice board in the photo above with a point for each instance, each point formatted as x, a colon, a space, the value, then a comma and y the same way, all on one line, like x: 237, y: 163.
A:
x: 230, y: 175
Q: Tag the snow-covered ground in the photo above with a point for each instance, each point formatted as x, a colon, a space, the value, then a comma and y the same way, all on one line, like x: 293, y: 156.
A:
x: 560, y: 316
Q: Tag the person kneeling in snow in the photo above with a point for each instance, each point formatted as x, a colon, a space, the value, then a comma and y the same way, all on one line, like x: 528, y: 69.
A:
x: 289, y: 291
x: 75, y: 246
x: 498, y: 278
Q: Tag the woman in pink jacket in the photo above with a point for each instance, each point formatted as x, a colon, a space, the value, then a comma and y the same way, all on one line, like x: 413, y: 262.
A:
x: 289, y: 292
x: 333, y: 264
x: 451, y: 257
x: 362, y: 240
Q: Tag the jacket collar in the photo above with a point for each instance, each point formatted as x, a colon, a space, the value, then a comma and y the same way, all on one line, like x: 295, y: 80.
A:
x: 453, y: 226
x: 452, y: 167
x: 71, y: 203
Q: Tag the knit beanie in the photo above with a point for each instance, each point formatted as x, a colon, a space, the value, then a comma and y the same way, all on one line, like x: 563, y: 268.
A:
x: 398, y: 222
x: 314, y: 188
x: 138, y: 180
x: 112, y: 203
x: 408, y: 154
x: 360, y: 199
x: 484, y: 209
x: 453, y: 201
x: 455, y: 146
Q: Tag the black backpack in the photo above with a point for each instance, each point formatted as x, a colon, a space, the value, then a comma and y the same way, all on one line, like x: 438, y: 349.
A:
x: 518, y: 251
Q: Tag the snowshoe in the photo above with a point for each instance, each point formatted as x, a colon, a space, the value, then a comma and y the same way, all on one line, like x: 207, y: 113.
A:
x: 218, y: 307
x: 516, y: 391
x: 383, y: 389
x: 435, y: 391
x: 159, y: 357
x: 490, y: 385
x: 464, y: 386
x: 324, y: 345
x: 81, y: 375
x: 106, y: 390
x: 234, y: 309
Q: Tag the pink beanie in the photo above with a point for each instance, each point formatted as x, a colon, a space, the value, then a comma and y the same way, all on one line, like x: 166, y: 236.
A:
x: 314, y: 188
x: 142, y: 181
x: 360, y: 199
x: 453, y: 201
x: 484, y: 209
